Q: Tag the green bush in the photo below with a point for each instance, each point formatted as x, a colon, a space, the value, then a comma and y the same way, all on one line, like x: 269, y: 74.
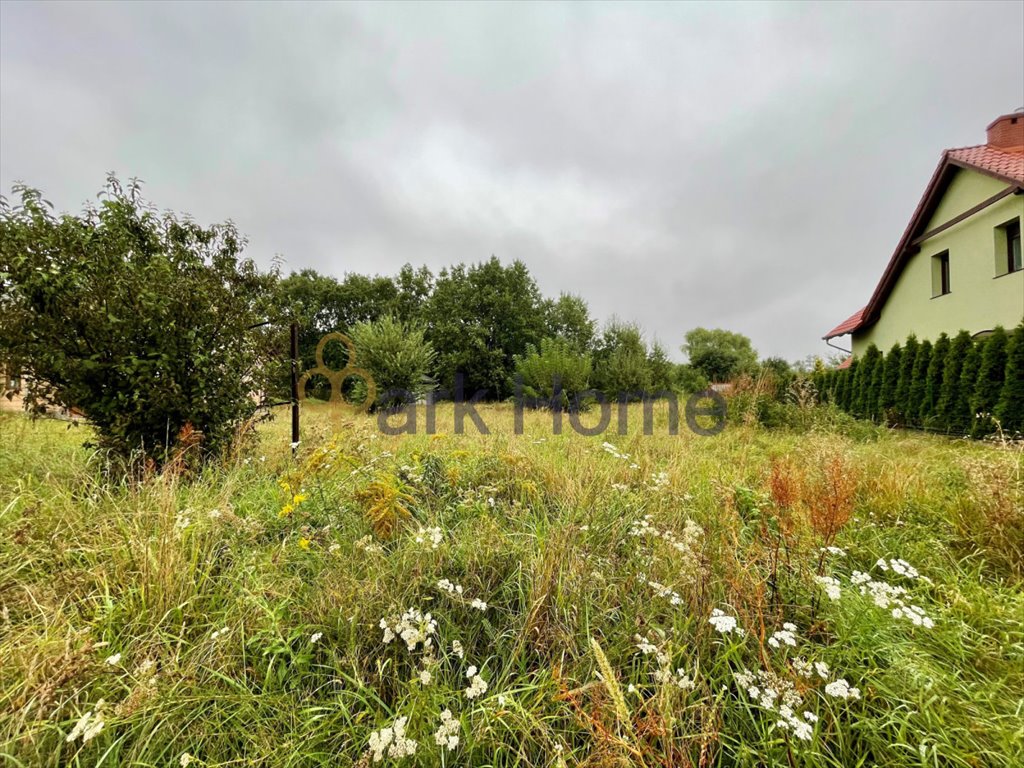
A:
x: 933, y: 387
x: 903, y: 406
x: 890, y: 380
x: 556, y: 358
x: 963, y: 413
x: 621, y: 366
x: 918, y: 383
x: 989, y: 384
x: 397, y: 356
x: 1010, y: 409
x: 143, y: 321
x: 953, y: 408
x: 866, y: 385
x: 688, y: 379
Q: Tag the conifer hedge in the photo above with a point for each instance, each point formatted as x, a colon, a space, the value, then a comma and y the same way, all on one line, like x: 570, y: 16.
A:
x: 959, y: 386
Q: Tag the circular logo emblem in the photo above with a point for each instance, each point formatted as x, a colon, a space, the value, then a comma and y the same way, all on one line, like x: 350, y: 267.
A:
x: 337, y: 378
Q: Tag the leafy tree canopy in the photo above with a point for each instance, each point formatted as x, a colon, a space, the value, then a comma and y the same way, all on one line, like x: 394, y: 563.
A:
x: 719, y: 354
x: 143, y: 321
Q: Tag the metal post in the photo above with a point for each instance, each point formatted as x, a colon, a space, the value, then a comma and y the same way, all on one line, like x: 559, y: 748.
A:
x: 295, y: 387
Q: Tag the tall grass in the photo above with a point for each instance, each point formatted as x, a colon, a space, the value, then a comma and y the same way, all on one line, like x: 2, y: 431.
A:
x: 234, y: 617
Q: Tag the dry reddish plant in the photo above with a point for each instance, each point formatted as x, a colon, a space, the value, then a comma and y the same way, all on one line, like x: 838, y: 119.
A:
x: 831, y: 500
x: 786, y: 483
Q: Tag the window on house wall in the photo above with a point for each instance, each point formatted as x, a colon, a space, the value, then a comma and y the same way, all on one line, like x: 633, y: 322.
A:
x: 1013, y: 255
x: 940, y: 274
x: 1008, y: 256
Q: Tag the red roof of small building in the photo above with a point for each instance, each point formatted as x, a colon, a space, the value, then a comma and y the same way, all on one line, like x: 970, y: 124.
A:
x: 1006, y: 165
x: 845, y: 364
x: 848, y: 325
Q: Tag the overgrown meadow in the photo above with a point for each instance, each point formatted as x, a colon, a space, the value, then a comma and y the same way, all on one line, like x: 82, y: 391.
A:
x: 829, y: 596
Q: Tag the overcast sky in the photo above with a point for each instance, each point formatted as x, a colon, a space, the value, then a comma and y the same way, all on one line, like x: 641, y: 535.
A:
x: 748, y: 167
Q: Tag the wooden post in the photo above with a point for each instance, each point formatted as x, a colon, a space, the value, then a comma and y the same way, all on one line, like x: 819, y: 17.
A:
x: 295, y: 387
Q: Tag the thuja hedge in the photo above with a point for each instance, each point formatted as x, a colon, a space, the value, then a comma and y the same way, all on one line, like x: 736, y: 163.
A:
x: 956, y: 385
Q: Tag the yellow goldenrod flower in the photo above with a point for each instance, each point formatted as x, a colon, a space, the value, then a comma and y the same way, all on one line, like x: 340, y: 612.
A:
x: 286, y: 510
x: 304, y: 543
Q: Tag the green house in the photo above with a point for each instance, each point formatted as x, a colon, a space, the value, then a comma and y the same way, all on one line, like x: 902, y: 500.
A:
x: 958, y: 265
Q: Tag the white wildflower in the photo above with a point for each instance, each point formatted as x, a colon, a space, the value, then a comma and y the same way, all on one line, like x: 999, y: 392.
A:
x: 392, y: 742
x: 414, y: 627
x: 219, y: 633
x: 644, y: 645
x: 478, y: 604
x: 611, y: 449
x: 831, y: 586
x: 785, y: 636
x: 477, y: 685
x: 433, y: 535
x: 725, y: 623
x: 840, y: 689
x: 112, y: 661
x: 425, y: 677
x: 89, y: 725
x: 457, y: 648
x: 315, y: 637
x: 447, y: 735
x: 367, y: 544
x: 185, y: 760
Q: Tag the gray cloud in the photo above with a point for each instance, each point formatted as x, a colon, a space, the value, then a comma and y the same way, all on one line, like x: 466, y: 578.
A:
x: 747, y: 166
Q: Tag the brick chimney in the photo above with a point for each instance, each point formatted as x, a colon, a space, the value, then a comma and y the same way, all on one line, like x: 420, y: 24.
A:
x: 1006, y: 133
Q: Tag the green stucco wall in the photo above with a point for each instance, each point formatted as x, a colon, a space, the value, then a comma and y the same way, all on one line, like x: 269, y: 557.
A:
x: 978, y: 299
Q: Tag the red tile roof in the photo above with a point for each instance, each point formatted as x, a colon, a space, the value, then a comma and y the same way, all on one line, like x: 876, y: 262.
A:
x: 845, y: 364
x: 1007, y: 166
x: 849, y: 324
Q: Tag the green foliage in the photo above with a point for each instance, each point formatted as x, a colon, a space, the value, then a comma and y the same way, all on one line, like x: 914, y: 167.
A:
x: 850, y: 396
x: 989, y: 383
x: 264, y: 634
x: 963, y: 420
x: 779, y: 372
x: 479, y: 318
x: 662, y: 370
x: 719, y: 354
x: 620, y: 362
x: 321, y: 304
x: 903, y: 400
x: 689, y: 380
x: 933, y: 388
x: 890, y: 380
x: 141, y: 320
x: 953, y: 408
x: 568, y: 318
x: 1010, y: 409
x: 866, y: 399
x: 919, y: 383
x: 842, y: 389
x: 556, y: 359
x: 397, y: 356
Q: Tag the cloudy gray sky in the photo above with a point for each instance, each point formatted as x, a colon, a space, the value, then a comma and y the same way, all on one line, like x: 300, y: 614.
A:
x: 741, y: 166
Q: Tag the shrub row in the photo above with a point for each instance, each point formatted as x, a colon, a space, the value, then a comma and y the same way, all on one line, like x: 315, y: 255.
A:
x: 958, y: 386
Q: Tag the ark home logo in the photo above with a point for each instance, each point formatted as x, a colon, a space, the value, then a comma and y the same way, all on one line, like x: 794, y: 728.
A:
x: 399, y: 411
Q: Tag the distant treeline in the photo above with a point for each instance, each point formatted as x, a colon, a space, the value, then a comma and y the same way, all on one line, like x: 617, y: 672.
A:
x: 960, y: 386
x: 490, y: 323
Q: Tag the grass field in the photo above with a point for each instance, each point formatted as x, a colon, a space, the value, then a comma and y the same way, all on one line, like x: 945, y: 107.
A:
x: 828, y: 597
